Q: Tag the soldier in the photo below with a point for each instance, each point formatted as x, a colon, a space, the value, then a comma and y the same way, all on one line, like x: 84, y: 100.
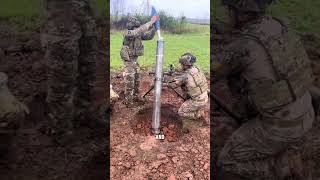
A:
x: 70, y: 42
x: 273, y: 77
x: 133, y: 48
x: 194, y: 85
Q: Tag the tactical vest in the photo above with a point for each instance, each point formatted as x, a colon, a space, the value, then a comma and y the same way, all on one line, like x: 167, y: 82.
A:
x: 134, y: 46
x: 200, y: 81
x: 291, y: 66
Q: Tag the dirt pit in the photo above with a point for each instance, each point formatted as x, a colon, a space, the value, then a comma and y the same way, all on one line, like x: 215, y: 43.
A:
x: 171, y: 124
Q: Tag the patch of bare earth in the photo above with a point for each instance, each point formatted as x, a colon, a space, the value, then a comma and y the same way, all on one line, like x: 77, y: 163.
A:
x: 136, y: 154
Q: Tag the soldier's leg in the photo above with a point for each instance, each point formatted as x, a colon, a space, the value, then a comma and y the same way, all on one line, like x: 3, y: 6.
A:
x: 249, y: 153
x: 192, y: 109
x: 87, y: 67
x: 187, y: 110
x: 62, y: 51
x: 136, y: 81
x: 62, y: 68
x: 128, y: 75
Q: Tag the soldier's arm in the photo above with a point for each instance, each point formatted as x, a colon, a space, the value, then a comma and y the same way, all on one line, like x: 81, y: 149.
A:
x: 139, y: 31
x: 230, y: 61
x: 178, y: 81
x: 148, y: 35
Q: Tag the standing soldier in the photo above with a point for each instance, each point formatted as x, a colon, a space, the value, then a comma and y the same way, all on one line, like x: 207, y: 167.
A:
x: 133, y: 48
x: 274, y: 78
x: 70, y: 41
x: 193, y: 82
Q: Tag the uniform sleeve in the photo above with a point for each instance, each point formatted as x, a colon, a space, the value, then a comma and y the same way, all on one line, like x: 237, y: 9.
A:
x: 148, y: 35
x: 178, y: 81
x: 231, y: 60
x: 139, y: 31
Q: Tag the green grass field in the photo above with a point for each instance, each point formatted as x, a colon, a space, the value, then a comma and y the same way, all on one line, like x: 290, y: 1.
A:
x: 303, y: 15
x: 28, y: 15
x: 175, y: 45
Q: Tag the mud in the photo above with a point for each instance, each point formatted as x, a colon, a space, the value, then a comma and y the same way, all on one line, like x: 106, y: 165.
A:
x: 171, y: 124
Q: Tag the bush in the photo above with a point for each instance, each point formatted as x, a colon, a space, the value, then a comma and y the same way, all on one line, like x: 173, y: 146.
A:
x: 168, y: 23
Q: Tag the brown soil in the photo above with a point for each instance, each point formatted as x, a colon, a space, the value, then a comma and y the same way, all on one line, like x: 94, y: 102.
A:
x: 135, y: 154
x: 171, y: 124
x: 32, y: 154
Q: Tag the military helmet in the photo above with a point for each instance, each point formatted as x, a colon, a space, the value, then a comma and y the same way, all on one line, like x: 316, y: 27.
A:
x: 187, y: 59
x: 133, y: 22
x: 248, y: 5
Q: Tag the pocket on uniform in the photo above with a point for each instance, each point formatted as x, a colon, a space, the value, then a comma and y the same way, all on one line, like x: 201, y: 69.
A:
x: 124, y: 53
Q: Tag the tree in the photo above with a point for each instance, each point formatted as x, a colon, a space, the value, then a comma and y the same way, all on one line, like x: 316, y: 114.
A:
x: 117, y: 8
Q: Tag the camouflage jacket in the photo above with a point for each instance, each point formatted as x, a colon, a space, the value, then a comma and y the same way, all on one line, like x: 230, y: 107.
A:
x: 193, y: 82
x: 132, y: 41
x: 274, y: 72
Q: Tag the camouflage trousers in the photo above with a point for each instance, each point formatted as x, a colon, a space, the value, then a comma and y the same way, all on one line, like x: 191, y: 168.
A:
x: 251, y: 152
x: 192, y: 109
x: 70, y: 44
x: 131, y: 75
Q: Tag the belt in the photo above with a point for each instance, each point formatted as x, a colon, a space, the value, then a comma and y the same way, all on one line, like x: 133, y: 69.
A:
x: 284, y: 124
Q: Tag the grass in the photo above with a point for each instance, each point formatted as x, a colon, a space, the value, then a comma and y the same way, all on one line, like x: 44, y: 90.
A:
x: 28, y: 15
x: 304, y: 15
x: 175, y: 45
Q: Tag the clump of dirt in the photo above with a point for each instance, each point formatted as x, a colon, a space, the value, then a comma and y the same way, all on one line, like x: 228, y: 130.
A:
x: 171, y: 124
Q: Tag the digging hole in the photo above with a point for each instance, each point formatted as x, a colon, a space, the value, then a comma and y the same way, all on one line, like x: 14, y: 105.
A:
x: 171, y: 124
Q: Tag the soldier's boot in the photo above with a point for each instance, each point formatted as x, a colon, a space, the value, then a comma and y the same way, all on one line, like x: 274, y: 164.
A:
x: 61, y: 136
x: 187, y: 124
x: 60, y: 117
x: 202, y: 116
x: 91, y: 115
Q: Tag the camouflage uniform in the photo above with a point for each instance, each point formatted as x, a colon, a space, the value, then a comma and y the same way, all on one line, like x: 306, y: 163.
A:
x: 70, y: 41
x: 133, y: 48
x: 194, y: 85
x: 275, y: 73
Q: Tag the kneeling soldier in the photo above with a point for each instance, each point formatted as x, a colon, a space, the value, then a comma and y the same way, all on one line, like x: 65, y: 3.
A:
x: 194, y: 85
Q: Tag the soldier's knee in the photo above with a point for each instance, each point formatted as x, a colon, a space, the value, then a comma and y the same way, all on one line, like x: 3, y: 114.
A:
x: 225, y: 158
x: 181, y: 112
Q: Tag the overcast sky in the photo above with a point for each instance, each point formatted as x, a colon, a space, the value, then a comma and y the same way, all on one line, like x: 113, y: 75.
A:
x: 190, y: 8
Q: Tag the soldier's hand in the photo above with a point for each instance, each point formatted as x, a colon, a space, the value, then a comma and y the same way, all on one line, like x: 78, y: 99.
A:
x: 171, y: 85
x: 154, y: 19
